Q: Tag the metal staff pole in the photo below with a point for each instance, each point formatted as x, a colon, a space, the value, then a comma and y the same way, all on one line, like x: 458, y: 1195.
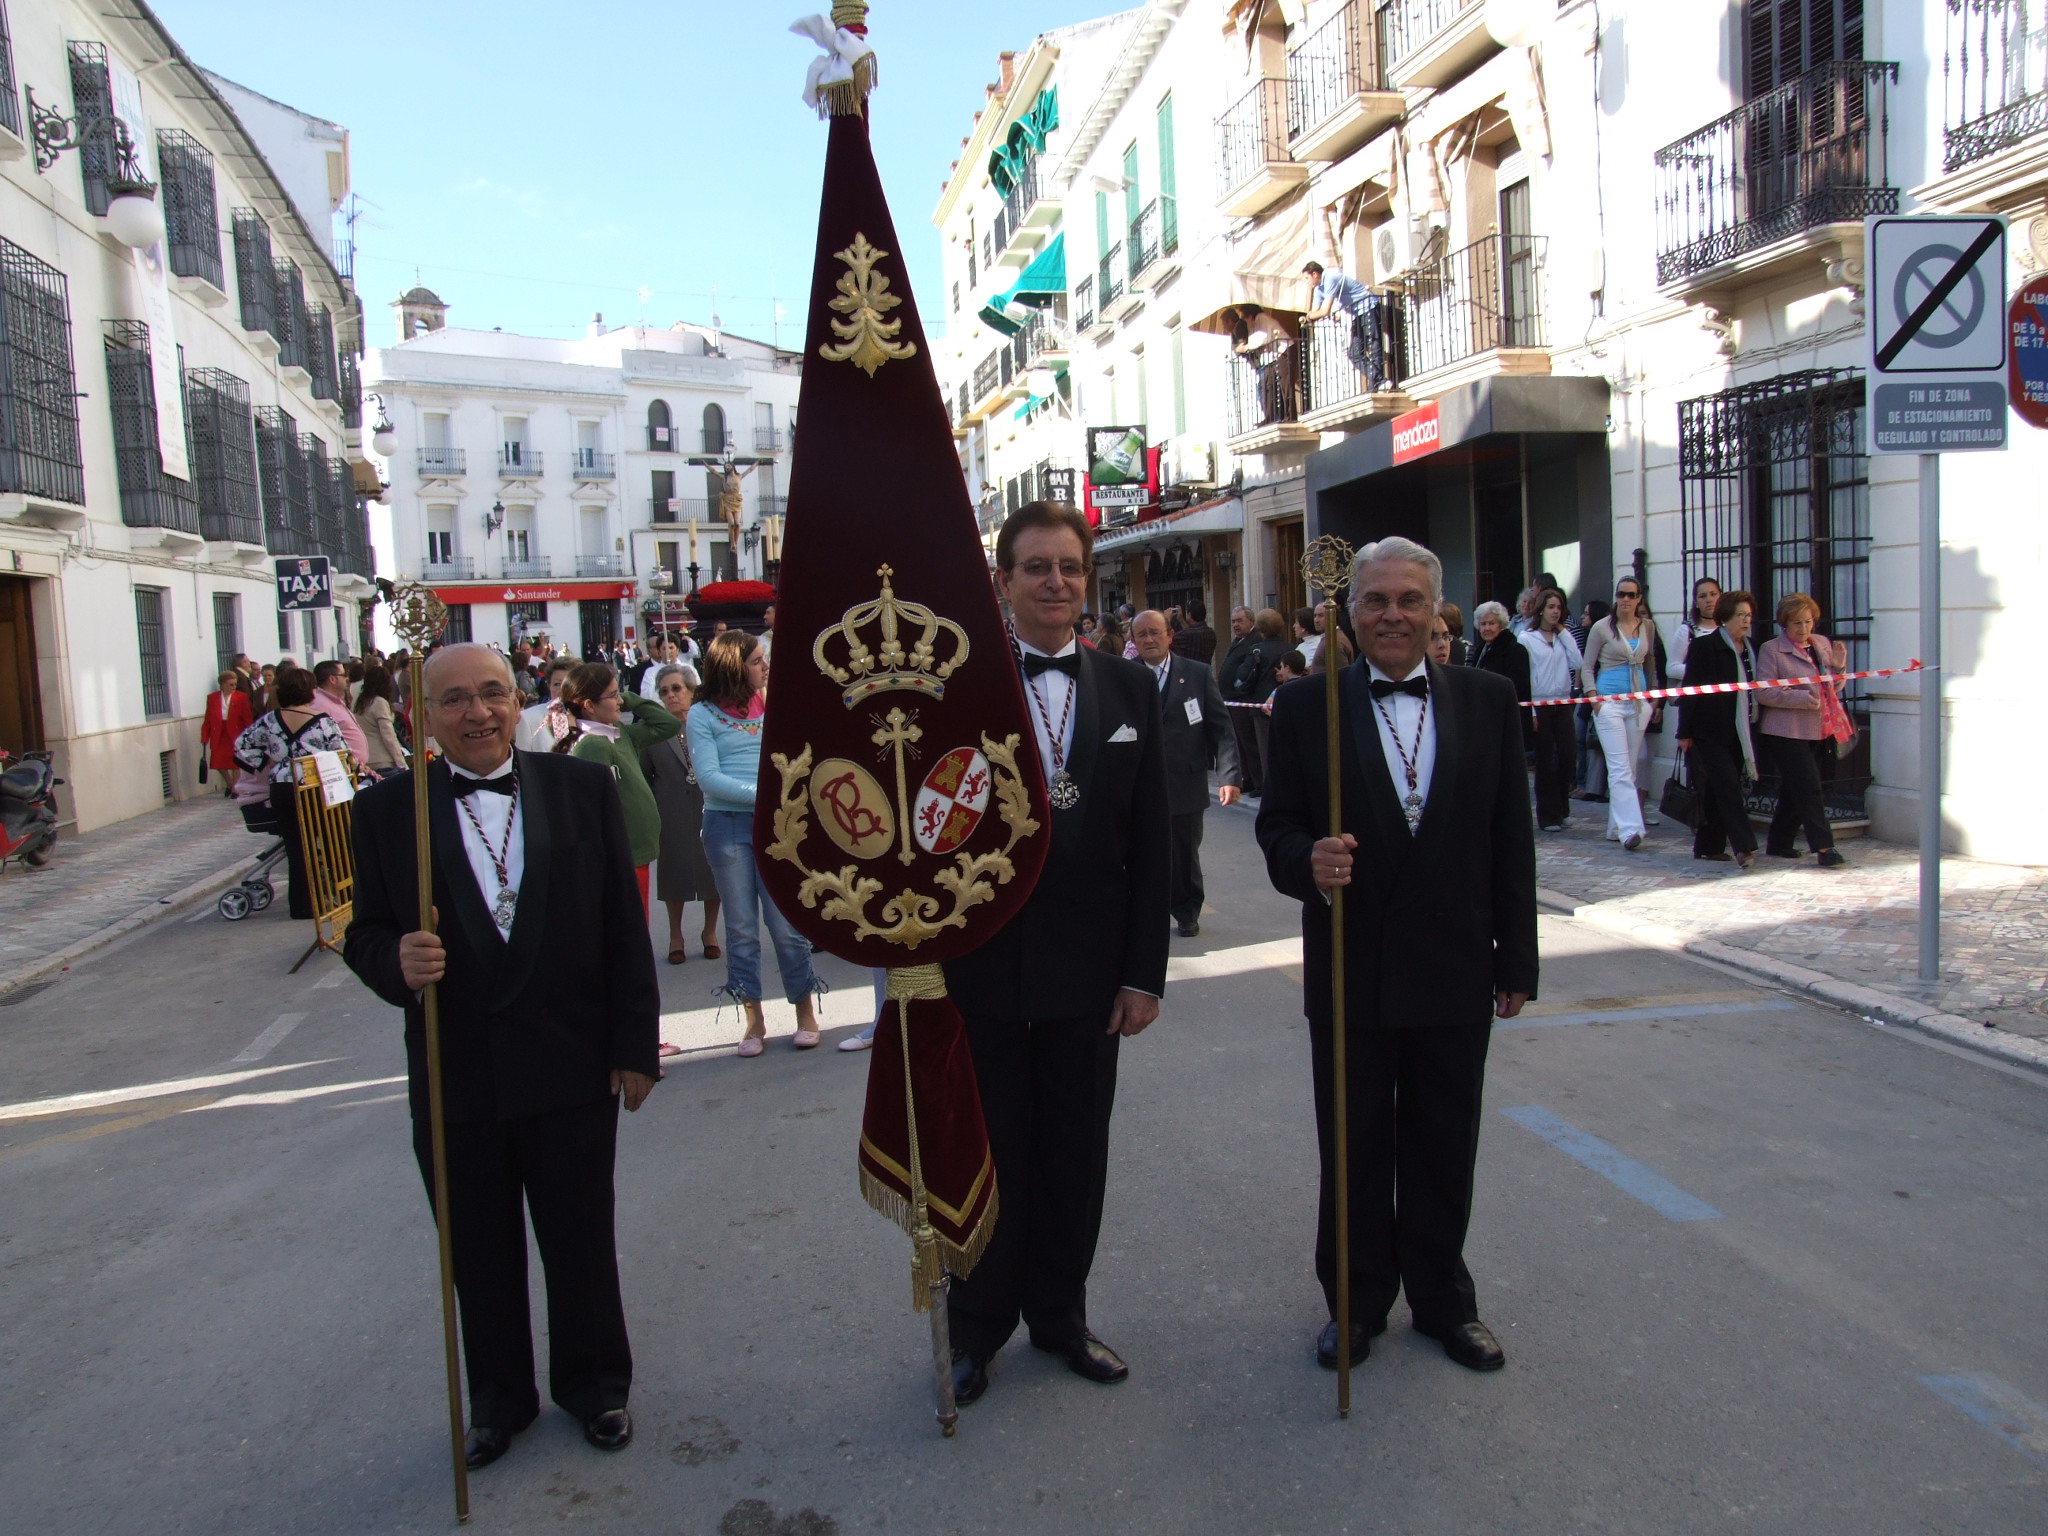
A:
x: 929, y: 1279
x: 420, y: 618
x: 1326, y: 567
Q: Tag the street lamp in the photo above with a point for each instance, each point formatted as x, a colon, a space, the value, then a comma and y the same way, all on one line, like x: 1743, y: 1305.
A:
x: 494, y: 519
x: 134, y: 216
x: 1517, y: 23
x: 383, y: 436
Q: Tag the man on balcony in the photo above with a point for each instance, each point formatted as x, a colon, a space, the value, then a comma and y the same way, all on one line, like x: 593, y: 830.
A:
x: 1332, y: 292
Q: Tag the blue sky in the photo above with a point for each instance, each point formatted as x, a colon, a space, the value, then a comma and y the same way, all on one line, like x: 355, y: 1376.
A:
x: 536, y: 162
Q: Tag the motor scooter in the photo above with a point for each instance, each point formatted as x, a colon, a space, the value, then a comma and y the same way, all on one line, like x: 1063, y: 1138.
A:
x: 28, y: 811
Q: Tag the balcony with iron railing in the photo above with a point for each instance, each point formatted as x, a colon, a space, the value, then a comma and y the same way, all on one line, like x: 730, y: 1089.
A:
x: 1084, y: 306
x: 679, y: 509
x: 774, y: 505
x: 1155, y: 243
x: 1254, y: 168
x: 1995, y: 80
x: 1046, y: 338
x: 1432, y: 42
x: 589, y: 464
x: 516, y: 461
x: 540, y: 569
x: 1114, y: 298
x: 1472, y: 313
x: 767, y: 440
x: 1267, y: 390
x: 601, y: 565
x: 1337, y: 94
x: 439, y: 463
x: 1029, y: 208
x: 988, y: 378
x: 1353, y: 374
x: 664, y: 439
x: 458, y: 568
x: 1766, y: 186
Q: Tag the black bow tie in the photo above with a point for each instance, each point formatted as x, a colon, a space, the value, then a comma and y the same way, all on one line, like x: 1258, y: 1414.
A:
x: 1069, y: 664
x: 1416, y: 687
x: 503, y: 784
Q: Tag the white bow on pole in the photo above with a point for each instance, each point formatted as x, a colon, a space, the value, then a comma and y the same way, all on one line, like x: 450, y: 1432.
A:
x: 843, y: 51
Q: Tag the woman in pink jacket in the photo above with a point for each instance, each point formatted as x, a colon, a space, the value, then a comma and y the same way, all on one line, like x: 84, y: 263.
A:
x: 1792, y: 730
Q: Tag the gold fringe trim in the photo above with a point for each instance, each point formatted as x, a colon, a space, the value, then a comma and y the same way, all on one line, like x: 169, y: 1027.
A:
x: 849, y: 98
x: 912, y: 983
x: 939, y: 1256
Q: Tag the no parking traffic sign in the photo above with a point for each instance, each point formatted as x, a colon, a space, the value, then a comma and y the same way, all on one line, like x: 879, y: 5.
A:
x: 1938, y: 333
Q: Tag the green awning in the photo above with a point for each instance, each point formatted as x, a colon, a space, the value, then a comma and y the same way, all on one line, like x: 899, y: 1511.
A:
x: 1037, y: 285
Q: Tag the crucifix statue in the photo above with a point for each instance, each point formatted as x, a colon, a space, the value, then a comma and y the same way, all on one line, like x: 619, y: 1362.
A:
x: 731, y: 474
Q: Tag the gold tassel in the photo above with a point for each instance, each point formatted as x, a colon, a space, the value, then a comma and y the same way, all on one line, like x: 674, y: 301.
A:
x: 849, y: 98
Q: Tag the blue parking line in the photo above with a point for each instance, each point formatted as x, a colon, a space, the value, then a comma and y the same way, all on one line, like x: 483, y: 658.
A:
x: 1624, y: 1173
x: 1613, y: 1015
x: 2000, y: 1407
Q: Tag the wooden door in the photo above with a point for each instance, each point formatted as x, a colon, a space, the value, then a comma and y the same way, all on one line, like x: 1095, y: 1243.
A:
x: 1287, y: 579
x: 21, y: 713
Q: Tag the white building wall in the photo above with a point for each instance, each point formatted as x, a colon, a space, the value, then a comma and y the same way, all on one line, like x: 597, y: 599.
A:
x: 82, y: 563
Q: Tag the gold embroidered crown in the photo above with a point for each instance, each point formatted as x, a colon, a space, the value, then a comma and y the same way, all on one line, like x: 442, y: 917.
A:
x: 880, y: 662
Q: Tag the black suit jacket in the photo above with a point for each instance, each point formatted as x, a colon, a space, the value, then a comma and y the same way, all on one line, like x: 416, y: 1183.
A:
x: 1709, y: 722
x: 1191, y: 749
x: 1435, y: 921
x: 1097, y: 920
x: 540, y: 1021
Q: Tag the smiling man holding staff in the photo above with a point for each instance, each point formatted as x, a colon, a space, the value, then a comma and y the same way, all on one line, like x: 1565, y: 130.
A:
x: 1437, y: 855
x: 531, y: 862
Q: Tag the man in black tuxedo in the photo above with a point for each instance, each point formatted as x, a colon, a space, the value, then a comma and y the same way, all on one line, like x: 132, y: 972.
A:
x: 549, y: 1016
x: 1245, y: 678
x: 1082, y: 964
x: 1438, y: 855
x: 1195, y: 737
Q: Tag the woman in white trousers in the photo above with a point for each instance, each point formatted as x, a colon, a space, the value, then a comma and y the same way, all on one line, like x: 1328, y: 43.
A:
x: 1619, y: 653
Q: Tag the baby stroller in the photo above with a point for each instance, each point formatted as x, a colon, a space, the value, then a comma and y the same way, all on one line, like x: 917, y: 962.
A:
x: 255, y: 892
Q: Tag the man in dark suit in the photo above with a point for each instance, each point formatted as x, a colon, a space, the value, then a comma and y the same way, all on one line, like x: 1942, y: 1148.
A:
x: 1082, y: 965
x: 1242, y: 677
x: 1438, y: 855
x: 549, y: 1016
x: 1195, y: 737
x: 1195, y: 639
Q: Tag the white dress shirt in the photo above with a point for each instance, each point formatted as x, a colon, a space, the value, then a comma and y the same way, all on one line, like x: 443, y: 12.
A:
x: 1050, y: 697
x: 1406, y: 713
x: 492, y: 812
x: 1159, y: 674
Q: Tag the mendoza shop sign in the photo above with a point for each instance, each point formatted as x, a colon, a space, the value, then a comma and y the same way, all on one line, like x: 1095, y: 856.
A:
x: 303, y: 583
x: 1417, y: 435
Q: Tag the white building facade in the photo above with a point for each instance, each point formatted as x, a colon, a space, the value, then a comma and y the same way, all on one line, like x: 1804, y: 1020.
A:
x: 173, y: 420
x: 537, y: 485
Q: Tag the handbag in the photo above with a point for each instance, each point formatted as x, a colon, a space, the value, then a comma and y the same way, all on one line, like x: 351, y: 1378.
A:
x: 202, y: 770
x: 1681, y: 800
x: 1835, y: 725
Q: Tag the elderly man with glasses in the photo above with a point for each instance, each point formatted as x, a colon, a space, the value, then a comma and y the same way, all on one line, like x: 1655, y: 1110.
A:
x: 549, y: 1018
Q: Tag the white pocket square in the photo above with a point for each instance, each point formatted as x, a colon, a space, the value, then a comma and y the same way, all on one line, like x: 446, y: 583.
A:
x: 1123, y: 733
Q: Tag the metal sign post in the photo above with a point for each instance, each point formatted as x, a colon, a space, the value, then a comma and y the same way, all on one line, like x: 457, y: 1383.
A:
x: 1938, y: 347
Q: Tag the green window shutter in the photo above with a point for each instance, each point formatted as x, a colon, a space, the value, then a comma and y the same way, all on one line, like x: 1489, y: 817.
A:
x: 1180, y: 384
x: 1169, y: 210
x: 1133, y: 203
x: 1101, y: 224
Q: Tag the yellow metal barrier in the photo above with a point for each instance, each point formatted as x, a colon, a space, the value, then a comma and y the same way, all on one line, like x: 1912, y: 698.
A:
x: 324, y: 833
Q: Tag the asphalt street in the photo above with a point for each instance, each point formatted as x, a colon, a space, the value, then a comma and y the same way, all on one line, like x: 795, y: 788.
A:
x: 1757, y: 1265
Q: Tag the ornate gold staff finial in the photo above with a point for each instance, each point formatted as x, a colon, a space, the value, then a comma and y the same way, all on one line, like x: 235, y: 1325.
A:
x: 1326, y: 565
x: 417, y: 615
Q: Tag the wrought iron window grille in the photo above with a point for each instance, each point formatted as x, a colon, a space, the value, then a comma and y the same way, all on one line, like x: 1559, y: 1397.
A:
x: 287, y: 530
x: 222, y: 432
x: 255, y: 274
x: 109, y: 163
x: 291, y: 324
x: 10, y: 108
x: 150, y: 498
x: 191, y: 212
x: 320, y: 352
x: 40, y: 453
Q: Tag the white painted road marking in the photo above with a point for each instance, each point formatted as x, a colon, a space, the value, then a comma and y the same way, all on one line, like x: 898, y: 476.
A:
x: 74, y: 1103
x: 296, y: 1095
x: 270, y: 1039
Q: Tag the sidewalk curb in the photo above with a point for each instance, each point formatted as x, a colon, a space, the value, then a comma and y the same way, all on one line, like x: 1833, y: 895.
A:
x: 1868, y: 1002
x: 198, y: 893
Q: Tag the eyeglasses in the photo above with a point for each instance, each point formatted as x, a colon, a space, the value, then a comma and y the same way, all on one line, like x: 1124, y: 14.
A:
x: 1412, y: 604
x: 456, y: 700
x: 1038, y: 570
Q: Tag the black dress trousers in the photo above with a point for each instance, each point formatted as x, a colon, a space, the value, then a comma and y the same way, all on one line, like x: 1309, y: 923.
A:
x: 1184, y: 881
x: 1047, y: 1088
x: 1800, y: 804
x: 1724, y: 818
x: 1554, y: 746
x: 1414, y: 1122
x: 559, y: 1167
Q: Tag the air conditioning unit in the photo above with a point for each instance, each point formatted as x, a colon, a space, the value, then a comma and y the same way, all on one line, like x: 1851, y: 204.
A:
x: 1400, y: 245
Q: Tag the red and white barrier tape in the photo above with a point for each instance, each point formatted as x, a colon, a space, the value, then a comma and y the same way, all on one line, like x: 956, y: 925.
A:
x: 1687, y: 692
x: 1706, y: 688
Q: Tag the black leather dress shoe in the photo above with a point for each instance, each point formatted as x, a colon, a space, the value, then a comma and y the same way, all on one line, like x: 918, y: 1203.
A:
x: 611, y: 1430
x: 1472, y: 1345
x: 1326, y: 1345
x: 970, y: 1377
x: 483, y: 1446
x: 1088, y: 1357
x: 1189, y: 929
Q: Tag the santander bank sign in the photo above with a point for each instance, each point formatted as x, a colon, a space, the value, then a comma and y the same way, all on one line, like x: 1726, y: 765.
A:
x: 1417, y: 434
